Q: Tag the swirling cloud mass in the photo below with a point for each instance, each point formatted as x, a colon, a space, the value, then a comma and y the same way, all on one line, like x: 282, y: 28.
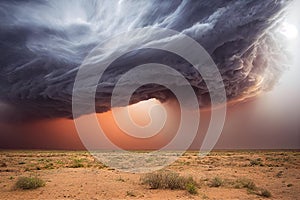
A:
x: 43, y: 43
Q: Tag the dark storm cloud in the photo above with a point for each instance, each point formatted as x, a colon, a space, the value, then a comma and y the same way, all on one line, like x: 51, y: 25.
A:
x: 42, y: 44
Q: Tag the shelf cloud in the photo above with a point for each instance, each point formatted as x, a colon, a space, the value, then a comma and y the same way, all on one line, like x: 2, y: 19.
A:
x: 43, y: 43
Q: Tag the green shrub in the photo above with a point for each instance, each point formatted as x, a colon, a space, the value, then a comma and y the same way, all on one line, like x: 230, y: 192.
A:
x: 77, y: 163
x: 191, y: 188
x: 49, y: 166
x: 27, y: 183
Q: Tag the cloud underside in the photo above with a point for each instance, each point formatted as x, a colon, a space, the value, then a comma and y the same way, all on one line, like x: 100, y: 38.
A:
x: 42, y: 44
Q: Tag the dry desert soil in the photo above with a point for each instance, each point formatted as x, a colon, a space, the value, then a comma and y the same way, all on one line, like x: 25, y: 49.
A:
x: 219, y: 175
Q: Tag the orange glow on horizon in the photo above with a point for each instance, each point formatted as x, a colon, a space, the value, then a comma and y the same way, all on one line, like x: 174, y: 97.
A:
x: 139, y: 114
x: 62, y: 133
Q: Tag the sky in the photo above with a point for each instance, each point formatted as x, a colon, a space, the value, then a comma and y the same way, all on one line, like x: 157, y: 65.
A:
x: 269, y: 120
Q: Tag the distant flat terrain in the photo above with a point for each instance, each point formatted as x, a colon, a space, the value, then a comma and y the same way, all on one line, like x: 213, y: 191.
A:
x: 220, y: 175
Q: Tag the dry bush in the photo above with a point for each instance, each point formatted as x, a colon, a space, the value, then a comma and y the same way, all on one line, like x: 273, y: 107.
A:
x: 216, y: 182
x: 264, y: 193
x: 170, y: 180
x: 27, y: 183
x: 245, y: 183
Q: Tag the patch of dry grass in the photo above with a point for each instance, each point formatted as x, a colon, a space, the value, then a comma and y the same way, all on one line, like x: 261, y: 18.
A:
x: 170, y: 180
x: 28, y: 183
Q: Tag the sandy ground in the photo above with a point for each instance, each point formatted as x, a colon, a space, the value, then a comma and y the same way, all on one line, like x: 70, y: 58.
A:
x: 76, y: 175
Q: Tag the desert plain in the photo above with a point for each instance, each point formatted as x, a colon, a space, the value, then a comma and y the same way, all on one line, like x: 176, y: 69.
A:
x: 77, y: 175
